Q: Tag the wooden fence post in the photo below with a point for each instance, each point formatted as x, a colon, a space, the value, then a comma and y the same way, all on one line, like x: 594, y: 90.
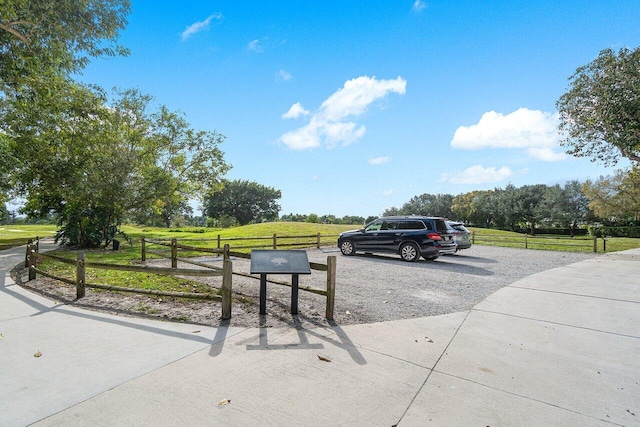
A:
x: 275, y: 241
x: 218, y: 241
x: 526, y: 244
x: 318, y: 242
x: 32, y: 262
x: 331, y: 286
x: 473, y: 237
x: 595, y: 244
x: 143, y: 243
x: 37, y: 244
x: 225, y: 253
x: 174, y: 253
x: 80, y: 275
x: 225, y: 290
x: 26, y: 255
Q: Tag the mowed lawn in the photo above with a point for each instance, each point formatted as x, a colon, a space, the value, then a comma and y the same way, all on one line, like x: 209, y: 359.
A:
x: 255, y: 235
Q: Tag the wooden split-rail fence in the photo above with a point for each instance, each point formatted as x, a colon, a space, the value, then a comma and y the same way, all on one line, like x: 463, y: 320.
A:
x: 34, y: 257
x: 227, y: 253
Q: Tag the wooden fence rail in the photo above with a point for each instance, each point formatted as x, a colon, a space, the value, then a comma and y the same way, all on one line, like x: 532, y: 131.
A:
x: 527, y: 240
x: 82, y: 264
x: 275, y: 239
x: 226, y: 252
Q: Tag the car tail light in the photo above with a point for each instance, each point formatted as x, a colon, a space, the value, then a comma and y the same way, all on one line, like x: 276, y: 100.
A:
x: 434, y: 236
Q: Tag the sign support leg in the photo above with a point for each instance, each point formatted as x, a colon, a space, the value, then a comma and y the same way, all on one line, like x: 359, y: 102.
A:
x: 263, y: 294
x: 294, y: 294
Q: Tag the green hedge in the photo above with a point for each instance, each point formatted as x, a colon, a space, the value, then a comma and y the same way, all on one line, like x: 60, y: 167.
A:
x: 610, y: 231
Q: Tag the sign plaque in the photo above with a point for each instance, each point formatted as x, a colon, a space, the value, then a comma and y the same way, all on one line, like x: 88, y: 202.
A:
x: 294, y: 262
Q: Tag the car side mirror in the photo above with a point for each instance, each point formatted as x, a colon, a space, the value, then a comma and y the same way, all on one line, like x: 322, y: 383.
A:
x: 362, y: 230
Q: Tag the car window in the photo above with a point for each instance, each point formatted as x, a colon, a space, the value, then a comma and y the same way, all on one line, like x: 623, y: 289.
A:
x: 389, y: 225
x: 374, y: 226
x: 441, y: 226
x: 412, y: 225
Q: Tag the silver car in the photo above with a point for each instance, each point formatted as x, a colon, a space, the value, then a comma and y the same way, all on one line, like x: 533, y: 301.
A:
x: 461, y: 236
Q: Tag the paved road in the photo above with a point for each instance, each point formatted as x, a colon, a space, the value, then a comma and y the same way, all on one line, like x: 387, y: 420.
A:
x: 561, y: 347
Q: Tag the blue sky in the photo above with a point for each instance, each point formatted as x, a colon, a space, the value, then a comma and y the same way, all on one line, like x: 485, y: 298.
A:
x: 350, y: 107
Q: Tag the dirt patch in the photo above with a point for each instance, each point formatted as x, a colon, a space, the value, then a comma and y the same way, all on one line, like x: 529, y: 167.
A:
x: 245, y: 306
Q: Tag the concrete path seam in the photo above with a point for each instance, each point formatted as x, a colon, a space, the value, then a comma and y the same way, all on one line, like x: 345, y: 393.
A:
x: 527, y: 397
x: 557, y: 323
x: 444, y: 351
x: 573, y: 294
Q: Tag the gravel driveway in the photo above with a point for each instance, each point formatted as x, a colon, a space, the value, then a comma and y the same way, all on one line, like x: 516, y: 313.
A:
x: 369, y: 288
x: 374, y: 288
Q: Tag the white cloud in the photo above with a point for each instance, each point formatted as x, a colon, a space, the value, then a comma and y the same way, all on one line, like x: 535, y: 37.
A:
x: 379, y: 160
x: 284, y: 75
x: 533, y: 130
x: 295, y: 111
x: 419, y: 6
x: 546, y: 154
x: 199, y: 26
x: 352, y: 100
x: 478, y: 175
x: 254, y: 45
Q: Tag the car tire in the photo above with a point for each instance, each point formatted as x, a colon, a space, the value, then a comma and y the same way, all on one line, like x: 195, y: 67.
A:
x: 347, y: 248
x: 409, y: 252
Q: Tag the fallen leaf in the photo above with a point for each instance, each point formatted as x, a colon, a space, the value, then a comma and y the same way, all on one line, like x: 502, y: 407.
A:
x: 385, y: 302
x: 324, y: 359
x: 348, y: 312
x: 196, y: 332
x: 224, y: 402
x: 428, y: 339
x: 37, y: 354
x: 1, y: 336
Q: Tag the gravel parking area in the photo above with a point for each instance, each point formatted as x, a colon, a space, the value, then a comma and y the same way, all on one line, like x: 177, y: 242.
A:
x: 369, y: 288
x: 375, y: 288
x: 372, y: 288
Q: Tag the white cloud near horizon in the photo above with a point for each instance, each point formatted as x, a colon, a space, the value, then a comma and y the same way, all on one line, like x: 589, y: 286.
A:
x: 328, y: 124
x: 196, y: 27
x: 295, y: 111
x: 379, y: 160
x: 533, y: 130
x: 478, y: 175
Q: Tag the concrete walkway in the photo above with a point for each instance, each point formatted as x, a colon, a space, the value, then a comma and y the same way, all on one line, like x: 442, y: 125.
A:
x: 561, y: 347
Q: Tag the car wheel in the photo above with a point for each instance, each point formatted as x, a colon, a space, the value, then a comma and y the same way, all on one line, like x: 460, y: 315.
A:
x: 347, y: 248
x: 409, y: 252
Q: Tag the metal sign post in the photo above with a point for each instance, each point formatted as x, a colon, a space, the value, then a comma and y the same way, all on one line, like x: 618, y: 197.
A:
x: 294, y: 262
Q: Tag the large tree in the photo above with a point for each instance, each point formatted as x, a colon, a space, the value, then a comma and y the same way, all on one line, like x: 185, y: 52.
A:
x: 37, y: 36
x: 600, y: 113
x: 429, y: 205
x: 93, y: 163
x: 246, y: 201
x: 615, y: 197
x: 568, y: 205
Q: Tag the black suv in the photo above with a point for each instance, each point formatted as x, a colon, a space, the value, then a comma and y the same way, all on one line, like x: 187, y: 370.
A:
x: 408, y: 236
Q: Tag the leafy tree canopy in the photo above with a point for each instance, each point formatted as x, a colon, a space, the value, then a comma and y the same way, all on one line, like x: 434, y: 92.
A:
x: 40, y: 35
x: 246, y: 201
x: 617, y: 196
x: 600, y: 113
x: 93, y: 163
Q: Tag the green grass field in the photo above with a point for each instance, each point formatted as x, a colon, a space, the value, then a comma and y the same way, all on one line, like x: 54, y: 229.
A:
x: 248, y: 237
